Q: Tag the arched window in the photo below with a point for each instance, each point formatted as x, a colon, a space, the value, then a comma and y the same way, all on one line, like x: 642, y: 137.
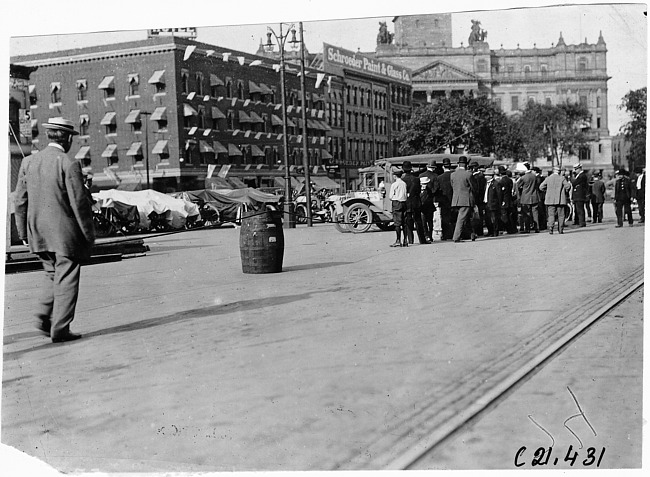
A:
x: 228, y: 88
x: 240, y: 90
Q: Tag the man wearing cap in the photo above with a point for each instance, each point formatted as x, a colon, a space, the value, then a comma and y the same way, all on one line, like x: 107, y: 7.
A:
x: 54, y: 217
x: 598, y: 197
x: 529, y: 197
x: 463, y: 198
x: 492, y: 202
x: 397, y: 196
x: 623, y: 194
x: 579, y: 186
x: 555, y: 188
x: 444, y: 200
x: 413, y: 212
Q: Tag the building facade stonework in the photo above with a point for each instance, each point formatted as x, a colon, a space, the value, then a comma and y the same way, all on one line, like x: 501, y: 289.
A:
x: 510, y: 77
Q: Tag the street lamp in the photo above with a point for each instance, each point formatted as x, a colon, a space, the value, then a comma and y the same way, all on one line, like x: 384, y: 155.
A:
x: 305, y: 156
x: 289, y: 219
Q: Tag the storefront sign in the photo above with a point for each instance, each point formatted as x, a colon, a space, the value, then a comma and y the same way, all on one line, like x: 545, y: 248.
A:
x: 336, y: 59
x: 187, y: 32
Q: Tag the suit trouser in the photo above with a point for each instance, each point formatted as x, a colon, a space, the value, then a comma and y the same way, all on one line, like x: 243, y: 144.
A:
x: 445, y: 221
x: 462, y: 221
x: 598, y: 211
x: 580, y: 213
x: 640, y: 200
x: 624, y: 207
x: 427, y: 220
x: 414, y: 222
x: 529, y: 216
x: 551, y: 212
x: 492, y: 221
x: 477, y: 223
x: 58, y: 300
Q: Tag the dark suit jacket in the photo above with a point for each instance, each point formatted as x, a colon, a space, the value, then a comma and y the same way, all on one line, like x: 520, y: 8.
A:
x: 53, y: 211
x: 623, y: 190
x: 493, y: 196
x: 527, y: 185
x: 640, y: 193
x: 412, y: 191
x: 479, y: 186
x: 598, y: 191
x: 463, y: 191
x: 433, y: 185
x: 446, y: 191
x: 506, y: 185
x: 580, y: 184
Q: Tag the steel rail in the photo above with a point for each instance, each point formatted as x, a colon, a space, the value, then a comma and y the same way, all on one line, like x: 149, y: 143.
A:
x: 432, y: 440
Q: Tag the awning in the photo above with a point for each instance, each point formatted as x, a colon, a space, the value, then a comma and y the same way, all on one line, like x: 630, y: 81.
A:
x: 256, y: 117
x: 311, y: 124
x: 160, y: 147
x: 133, y: 117
x: 34, y: 123
x: 265, y: 89
x: 159, y: 114
x: 324, y: 126
x: 158, y: 77
x: 244, y: 118
x: 219, y: 148
x: 217, y: 114
x: 254, y: 88
x: 256, y: 151
x: 275, y: 120
x: 55, y: 87
x: 324, y: 154
x: 32, y: 88
x: 109, y: 118
x: 234, y: 150
x: 295, y: 183
x: 205, y: 147
x: 134, y: 78
x: 107, y: 83
x: 324, y: 182
x: 84, y: 153
x: 135, y: 149
x: 82, y: 83
x: 189, y: 110
x: 215, y: 80
x: 235, y: 181
x: 110, y: 151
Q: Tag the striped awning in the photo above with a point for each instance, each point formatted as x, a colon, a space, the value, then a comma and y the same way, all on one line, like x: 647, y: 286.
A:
x: 215, y: 80
x: 158, y: 77
x: 217, y: 114
x: 160, y: 147
x: 256, y: 151
x: 107, y: 83
x: 110, y: 151
x: 159, y: 114
x: 219, y: 148
x: 84, y: 153
x: 133, y: 117
x: 109, y: 118
x: 135, y: 149
x: 234, y: 150
x: 205, y: 147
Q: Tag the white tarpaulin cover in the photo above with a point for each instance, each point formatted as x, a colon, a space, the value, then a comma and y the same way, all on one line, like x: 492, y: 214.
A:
x: 176, y: 210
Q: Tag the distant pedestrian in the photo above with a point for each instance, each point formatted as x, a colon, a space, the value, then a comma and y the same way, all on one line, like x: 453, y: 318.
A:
x: 444, y: 200
x: 640, y: 193
x: 397, y: 196
x: 413, y: 207
x: 555, y: 188
x: 598, y: 197
x: 463, y: 198
x: 529, y: 197
x: 478, y: 183
x: 506, y: 185
x: 580, y: 185
x: 492, y: 203
x: 54, y: 217
x: 623, y: 194
x: 427, y: 207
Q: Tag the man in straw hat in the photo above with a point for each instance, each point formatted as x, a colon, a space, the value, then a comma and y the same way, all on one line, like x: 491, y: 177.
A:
x: 556, y: 188
x: 54, y: 217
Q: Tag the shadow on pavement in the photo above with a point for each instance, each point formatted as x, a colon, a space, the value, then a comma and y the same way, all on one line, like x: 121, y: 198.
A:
x: 313, y: 266
x: 197, y: 313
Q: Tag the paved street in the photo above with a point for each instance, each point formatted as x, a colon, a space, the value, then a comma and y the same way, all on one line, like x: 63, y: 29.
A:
x: 187, y: 364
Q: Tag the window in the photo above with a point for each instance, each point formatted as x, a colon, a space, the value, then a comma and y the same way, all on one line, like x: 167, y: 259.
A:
x: 531, y: 99
x: 33, y: 98
x: 515, y: 103
x: 582, y: 65
x: 585, y: 153
x: 583, y: 101
x: 55, y: 92
x: 134, y: 120
x: 108, y: 121
x: 134, y: 84
x: 108, y: 85
x: 230, y: 119
x: 201, y: 117
x: 527, y: 71
x: 600, y: 148
x: 598, y: 101
x: 598, y: 122
x: 548, y: 101
x: 481, y: 66
x: 544, y: 70
x: 199, y: 84
x: 84, y: 123
x: 185, y: 82
x: 158, y: 80
x: 240, y: 90
x: 347, y: 94
x: 82, y: 90
x: 228, y: 88
x: 510, y: 70
x: 160, y: 116
x: 497, y: 102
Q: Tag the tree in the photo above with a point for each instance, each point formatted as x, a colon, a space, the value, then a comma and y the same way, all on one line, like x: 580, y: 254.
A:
x: 554, y: 131
x: 476, y: 124
x: 635, y: 103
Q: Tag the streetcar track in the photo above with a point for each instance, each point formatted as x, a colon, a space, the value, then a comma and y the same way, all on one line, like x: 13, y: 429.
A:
x: 441, y: 413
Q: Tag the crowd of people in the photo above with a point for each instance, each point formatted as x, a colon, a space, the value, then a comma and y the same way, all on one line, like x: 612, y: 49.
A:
x: 475, y: 201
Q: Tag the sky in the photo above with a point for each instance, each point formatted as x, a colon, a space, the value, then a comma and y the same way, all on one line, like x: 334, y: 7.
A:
x: 509, y: 24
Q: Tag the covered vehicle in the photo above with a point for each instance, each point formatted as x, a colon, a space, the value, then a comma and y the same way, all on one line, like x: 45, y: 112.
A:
x: 151, y: 206
x: 229, y: 203
x: 357, y: 211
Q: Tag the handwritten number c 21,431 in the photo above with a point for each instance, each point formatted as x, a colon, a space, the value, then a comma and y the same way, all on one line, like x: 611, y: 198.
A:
x: 542, y: 456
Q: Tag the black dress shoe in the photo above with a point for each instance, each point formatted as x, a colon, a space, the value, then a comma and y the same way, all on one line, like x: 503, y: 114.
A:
x: 43, y: 328
x: 405, y: 244
x: 69, y: 336
x: 456, y: 241
x: 473, y: 237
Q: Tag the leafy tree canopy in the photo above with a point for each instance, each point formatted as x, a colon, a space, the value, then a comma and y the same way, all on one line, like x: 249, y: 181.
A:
x: 635, y: 103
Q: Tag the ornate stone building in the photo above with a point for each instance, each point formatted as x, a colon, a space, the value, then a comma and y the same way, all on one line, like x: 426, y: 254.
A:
x: 511, y: 77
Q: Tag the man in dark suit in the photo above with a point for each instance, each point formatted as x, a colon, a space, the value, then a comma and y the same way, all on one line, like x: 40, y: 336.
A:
x: 413, y: 206
x: 623, y: 194
x: 598, y: 197
x: 492, y: 203
x: 444, y: 200
x: 529, y: 197
x: 462, y: 198
x: 579, y: 184
x: 54, y: 217
x: 432, y: 195
x: 479, y: 182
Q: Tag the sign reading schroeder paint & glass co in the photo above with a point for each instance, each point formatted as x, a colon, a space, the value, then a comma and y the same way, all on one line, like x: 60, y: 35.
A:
x: 336, y: 59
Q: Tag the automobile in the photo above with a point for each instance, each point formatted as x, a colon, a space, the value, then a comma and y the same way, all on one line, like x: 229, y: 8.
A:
x: 357, y: 211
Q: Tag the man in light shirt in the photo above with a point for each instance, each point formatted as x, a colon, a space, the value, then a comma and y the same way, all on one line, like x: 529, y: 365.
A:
x: 397, y: 196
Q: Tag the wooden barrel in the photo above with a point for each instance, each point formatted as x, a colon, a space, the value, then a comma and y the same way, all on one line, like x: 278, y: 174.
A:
x: 261, y: 241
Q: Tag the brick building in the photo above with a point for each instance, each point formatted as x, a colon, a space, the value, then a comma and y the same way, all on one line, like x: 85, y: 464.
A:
x: 511, y: 77
x: 172, y: 112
